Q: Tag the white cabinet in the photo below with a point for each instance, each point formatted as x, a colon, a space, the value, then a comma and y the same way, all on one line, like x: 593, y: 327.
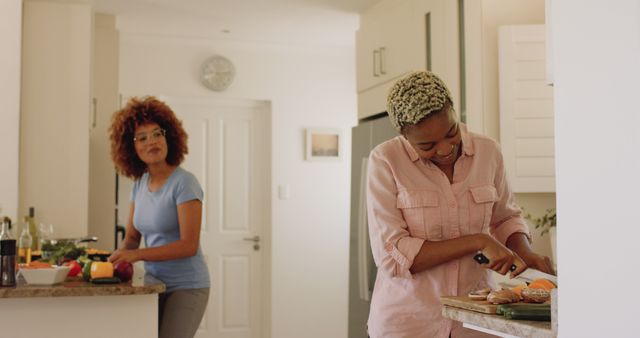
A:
x: 102, y: 194
x: 69, y: 91
x: 55, y: 114
x: 526, y: 109
x: 389, y: 43
x: 396, y: 37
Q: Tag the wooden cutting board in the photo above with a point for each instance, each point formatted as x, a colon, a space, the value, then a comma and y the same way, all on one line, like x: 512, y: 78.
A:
x: 466, y: 303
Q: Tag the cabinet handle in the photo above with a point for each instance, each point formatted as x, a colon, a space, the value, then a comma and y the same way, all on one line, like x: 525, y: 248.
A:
x: 383, y: 71
x: 95, y: 109
x: 376, y: 57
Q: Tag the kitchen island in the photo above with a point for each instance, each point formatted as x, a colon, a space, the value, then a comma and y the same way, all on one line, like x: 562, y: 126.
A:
x: 76, y: 308
x: 498, y: 325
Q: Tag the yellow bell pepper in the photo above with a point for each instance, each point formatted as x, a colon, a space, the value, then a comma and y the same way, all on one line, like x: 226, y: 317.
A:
x: 101, y: 270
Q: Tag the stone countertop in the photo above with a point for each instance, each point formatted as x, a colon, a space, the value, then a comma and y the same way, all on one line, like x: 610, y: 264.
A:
x: 519, y: 328
x: 75, y: 286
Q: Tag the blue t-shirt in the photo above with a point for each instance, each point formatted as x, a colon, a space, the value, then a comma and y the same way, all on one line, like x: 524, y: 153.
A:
x: 156, y: 218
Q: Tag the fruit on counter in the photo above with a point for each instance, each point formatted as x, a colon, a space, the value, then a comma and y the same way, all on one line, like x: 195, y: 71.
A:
x: 86, y: 271
x: 101, y: 270
x: 542, y: 283
x: 124, y: 271
x: 75, y: 268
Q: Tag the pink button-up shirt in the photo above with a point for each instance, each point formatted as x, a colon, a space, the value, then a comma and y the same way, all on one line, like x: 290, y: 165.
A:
x: 410, y: 201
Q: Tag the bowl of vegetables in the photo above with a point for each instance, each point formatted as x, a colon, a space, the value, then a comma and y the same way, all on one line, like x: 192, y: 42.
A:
x: 37, y: 273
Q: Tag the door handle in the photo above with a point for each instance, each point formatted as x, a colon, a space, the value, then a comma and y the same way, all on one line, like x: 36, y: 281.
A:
x: 254, y: 239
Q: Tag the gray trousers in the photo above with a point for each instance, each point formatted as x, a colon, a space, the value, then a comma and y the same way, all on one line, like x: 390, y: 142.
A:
x: 180, y: 312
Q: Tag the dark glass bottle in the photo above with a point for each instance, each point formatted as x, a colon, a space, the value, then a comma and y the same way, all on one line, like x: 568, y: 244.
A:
x: 7, y: 262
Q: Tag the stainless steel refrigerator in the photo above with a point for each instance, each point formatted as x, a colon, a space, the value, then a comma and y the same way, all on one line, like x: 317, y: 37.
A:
x: 362, y: 270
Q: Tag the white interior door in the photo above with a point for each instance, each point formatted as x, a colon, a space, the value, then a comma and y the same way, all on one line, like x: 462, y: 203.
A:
x: 229, y: 153
x: 526, y: 109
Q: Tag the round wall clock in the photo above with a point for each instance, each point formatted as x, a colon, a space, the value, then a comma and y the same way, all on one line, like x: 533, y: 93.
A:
x: 217, y: 73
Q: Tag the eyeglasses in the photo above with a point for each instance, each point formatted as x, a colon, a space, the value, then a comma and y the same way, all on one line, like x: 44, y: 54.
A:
x: 155, y: 135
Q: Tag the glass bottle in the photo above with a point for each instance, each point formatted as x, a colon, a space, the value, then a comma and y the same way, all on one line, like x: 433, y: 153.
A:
x: 7, y: 262
x: 33, y: 230
x: 5, y: 233
x: 24, y: 246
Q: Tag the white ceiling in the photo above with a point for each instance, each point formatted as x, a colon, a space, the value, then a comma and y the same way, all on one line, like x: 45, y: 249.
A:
x: 285, y: 21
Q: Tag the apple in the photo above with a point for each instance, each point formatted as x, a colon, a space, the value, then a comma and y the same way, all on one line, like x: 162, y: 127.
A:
x: 124, y: 271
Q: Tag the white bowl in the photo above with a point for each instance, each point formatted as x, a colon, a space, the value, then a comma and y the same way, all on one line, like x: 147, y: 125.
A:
x: 45, y: 276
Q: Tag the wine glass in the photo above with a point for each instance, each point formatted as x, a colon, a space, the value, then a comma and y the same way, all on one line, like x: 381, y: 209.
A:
x: 46, y: 240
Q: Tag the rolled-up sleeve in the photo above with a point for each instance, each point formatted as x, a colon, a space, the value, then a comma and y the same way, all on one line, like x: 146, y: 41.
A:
x: 507, y: 216
x: 393, y: 248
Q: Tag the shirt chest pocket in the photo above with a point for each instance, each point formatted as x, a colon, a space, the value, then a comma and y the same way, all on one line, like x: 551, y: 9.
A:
x: 481, y: 207
x: 421, y: 212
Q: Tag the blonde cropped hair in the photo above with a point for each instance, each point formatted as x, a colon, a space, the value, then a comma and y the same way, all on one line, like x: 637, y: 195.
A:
x: 414, y: 97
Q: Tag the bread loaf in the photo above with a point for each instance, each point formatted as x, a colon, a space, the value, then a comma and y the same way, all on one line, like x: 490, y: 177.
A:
x: 504, y: 296
x: 535, y: 295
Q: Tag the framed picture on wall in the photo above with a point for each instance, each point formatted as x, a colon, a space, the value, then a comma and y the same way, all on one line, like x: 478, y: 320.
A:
x: 323, y: 144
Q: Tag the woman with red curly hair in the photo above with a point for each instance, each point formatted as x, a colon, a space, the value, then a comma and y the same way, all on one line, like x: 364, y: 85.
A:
x: 148, y: 144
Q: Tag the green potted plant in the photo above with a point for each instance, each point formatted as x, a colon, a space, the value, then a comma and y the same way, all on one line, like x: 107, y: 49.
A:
x: 546, y: 222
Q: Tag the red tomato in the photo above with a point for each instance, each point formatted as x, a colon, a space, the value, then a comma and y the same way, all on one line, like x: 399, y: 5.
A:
x: 76, y: 268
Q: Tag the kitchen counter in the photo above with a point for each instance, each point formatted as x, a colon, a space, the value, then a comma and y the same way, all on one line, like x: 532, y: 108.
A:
x: 75, y: 287
x: 497, y: 325
x: 77, y: 309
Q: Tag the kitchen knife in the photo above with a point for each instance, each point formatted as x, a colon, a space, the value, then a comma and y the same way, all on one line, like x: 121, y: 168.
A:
x: 527, y: 275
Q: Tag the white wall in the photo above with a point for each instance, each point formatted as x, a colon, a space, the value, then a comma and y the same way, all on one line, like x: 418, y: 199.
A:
x: 308, y: 86
x: 10, y: 40
x: 536, y: 204
x: 596, y: 61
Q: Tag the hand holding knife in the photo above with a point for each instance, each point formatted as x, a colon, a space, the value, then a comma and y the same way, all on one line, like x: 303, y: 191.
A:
x: 528, y: 275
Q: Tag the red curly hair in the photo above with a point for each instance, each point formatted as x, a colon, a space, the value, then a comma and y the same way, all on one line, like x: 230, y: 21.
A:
x: 137, y: 112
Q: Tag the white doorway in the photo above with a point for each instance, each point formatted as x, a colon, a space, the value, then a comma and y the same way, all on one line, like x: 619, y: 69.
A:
x: 230, y: 154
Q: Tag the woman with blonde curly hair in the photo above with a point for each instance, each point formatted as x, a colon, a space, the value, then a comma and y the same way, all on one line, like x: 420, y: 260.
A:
x: 436, y: 195
x: 148, y: 144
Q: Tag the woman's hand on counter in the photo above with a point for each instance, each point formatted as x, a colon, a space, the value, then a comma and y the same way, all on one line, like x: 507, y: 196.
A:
x: 124, y: 255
